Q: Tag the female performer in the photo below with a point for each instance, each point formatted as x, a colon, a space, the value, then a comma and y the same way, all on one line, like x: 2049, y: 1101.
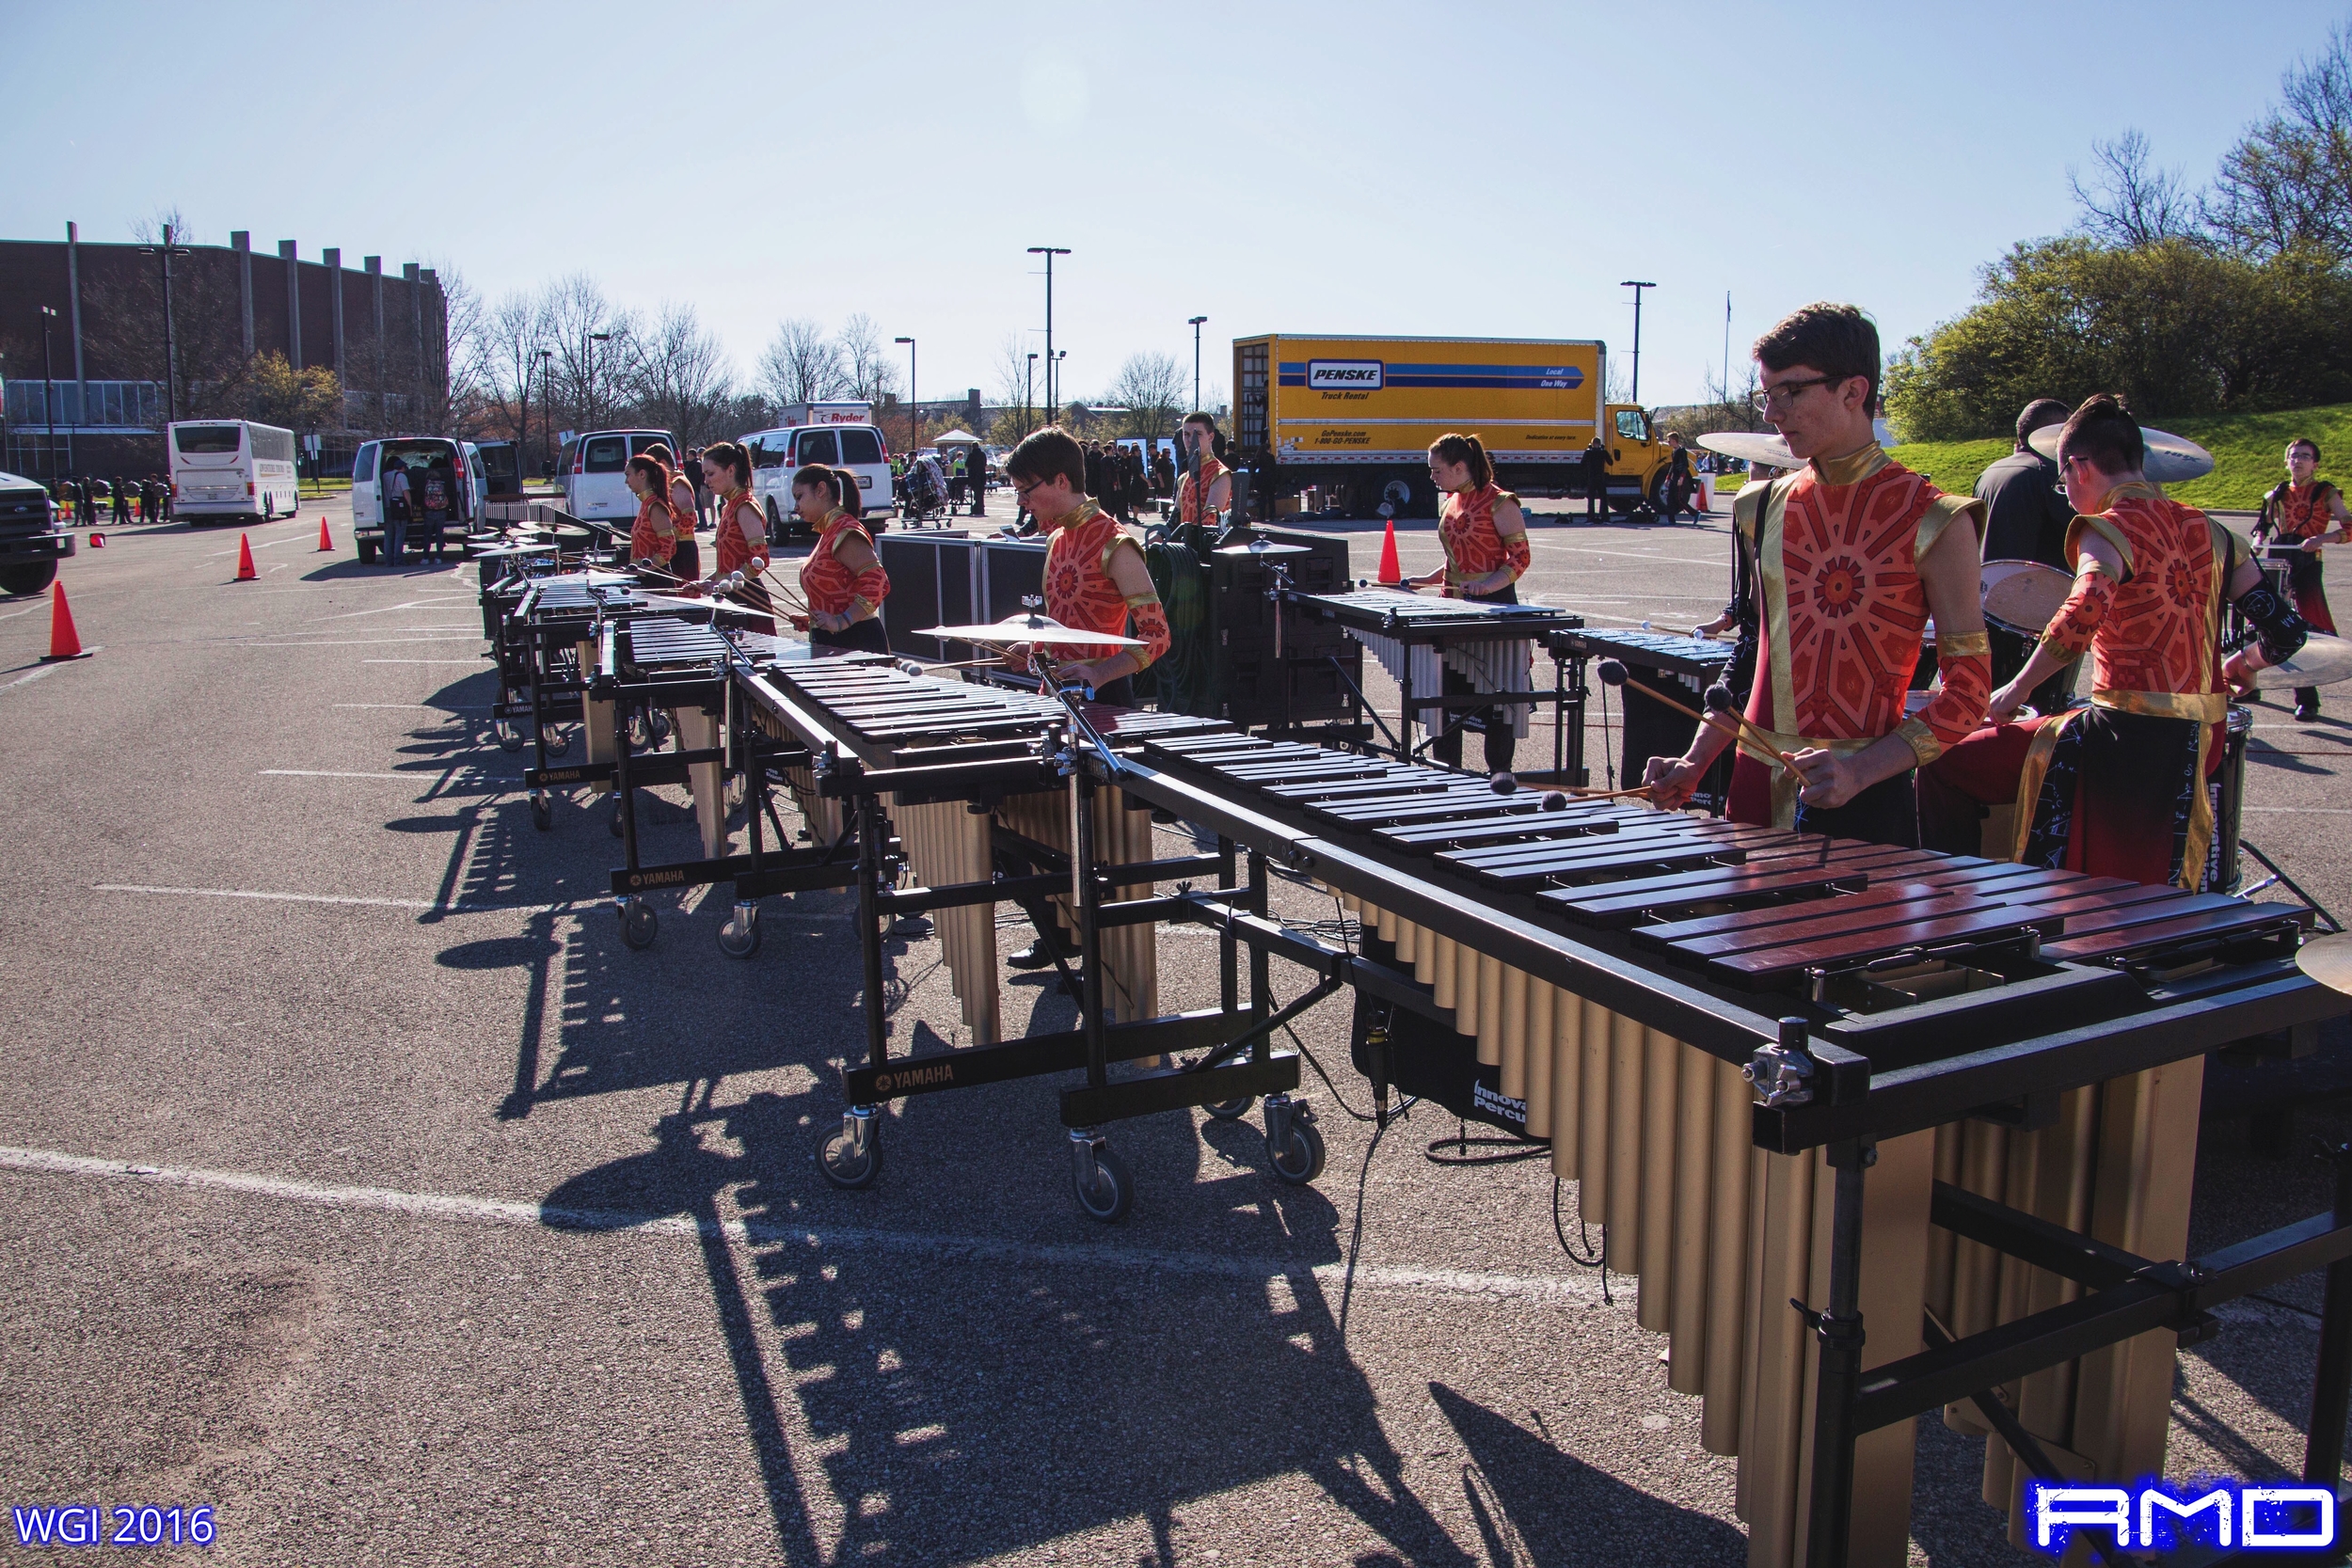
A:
x: 653, y: 540
x: 2308, y: 510
x: 687, y: 564
x: 741, y: 544
x: 1484, y: 535
x: 842, y: 580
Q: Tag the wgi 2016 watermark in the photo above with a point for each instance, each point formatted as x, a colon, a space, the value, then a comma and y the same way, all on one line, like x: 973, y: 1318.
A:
x: 2154, y: 1516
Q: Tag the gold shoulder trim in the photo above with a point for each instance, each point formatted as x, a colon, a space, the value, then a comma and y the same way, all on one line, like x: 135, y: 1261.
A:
x: 1943, y: 511
x: 2105, y: 527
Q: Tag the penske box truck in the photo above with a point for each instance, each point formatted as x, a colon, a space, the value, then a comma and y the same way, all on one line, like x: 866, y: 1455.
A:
x: 1354, y: 416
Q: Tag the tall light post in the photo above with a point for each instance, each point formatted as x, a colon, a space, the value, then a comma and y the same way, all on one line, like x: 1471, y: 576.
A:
x: 593, y: 338
x: 546, y: 379
x: 48, y: 393
x: 1195, y: 325
x: 1053, y: 382
x: 915, y: 410
x: 1049, y: 252
x: 1028, y: 395
x: 1637, y: 289
x: 171, y: 345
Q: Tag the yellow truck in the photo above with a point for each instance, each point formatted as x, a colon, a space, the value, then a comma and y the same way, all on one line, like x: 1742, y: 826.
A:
x: 1354, y: 416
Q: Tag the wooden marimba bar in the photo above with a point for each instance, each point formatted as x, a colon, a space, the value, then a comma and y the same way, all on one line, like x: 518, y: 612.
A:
x: 1719, y: 1028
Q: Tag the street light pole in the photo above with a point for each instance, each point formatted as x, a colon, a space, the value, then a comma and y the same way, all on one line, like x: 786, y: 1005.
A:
x: 171, y: 346
x: 1637, y: 289
x: 48, y: 392
x: 1049, y: 252
x: 593, y: 338
x: 1028, y: 395
x: 915, y: 408
x: 1195, y: 323
x: 546, y: 379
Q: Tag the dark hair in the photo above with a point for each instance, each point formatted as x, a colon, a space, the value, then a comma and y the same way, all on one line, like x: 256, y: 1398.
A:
x: 1465, y: 449
x: 657, y: 474
x: 1839, y: 341
x: 1199, y: 417
x: 812, y: 476
x: 846, y: 493
x: 1043, y: 453
x: 726, y: 454
x: 2037, y: 413
x: 2305, y: 441
x: 2103, y: 434
x: 657, y: 450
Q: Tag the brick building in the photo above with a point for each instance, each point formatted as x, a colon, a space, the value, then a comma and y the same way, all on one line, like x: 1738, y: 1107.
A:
x: 95, y: 398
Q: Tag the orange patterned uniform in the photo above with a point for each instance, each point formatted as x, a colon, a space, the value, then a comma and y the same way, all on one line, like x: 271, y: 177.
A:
x: 2305, y: 510
x: 646, y: 539
x: 1079, y: 592
x: 1191, y: 504
x: 2150, y: 637
x: 1473, y: 548
x: 735, y: 547
x: 826, y: 584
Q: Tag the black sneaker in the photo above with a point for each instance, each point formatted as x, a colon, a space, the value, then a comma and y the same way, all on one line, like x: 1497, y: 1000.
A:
x: 1038, y: 954
x: 2306, y: 712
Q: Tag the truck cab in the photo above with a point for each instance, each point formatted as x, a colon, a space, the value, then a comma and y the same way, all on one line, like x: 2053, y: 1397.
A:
x: 1637, y: 458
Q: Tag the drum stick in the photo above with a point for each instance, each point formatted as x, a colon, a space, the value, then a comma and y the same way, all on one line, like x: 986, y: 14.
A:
x: 1612, y: 672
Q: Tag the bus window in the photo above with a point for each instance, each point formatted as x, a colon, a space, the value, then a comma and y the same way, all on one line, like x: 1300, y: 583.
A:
x: 209, y: 440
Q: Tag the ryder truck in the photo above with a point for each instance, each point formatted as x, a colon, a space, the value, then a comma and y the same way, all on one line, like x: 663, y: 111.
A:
x: 1354, y: 417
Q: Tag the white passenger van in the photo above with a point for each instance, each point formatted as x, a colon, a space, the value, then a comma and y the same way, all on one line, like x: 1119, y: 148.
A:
x: 775, y: 453
x: 231, y: 468
x: 596, y: 471
x: 453, y: 466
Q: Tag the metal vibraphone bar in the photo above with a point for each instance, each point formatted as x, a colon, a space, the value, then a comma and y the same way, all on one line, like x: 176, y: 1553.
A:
x: 1767, y: 1057
x: 1416, y: 637
x: 1678, y: 666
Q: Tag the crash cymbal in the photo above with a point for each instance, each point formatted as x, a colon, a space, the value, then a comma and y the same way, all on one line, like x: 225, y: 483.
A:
x: 2322, y: 661
x: 1751, y: 446
x: 1260, y: 550
x: 707, y: 607
x: 2329, y: 960
x: 2172, y: 459
x: 1042, y: 629
x: 2023, y: 593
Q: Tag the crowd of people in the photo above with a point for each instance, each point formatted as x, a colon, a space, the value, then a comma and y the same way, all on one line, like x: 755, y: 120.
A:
x: 88, y: 502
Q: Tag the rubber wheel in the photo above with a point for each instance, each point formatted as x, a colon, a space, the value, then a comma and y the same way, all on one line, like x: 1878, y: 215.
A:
x: 744, y: 945
x: 1112, y: 1192
x: 639, y: 923
x: 28, y: 579
x: 541, y: 816
x: 1300, y: 1161
x: 617, y: 809
x: 367, y: 552
x: 510, y: 734
x: 559, y: 742
x: 851, y: 1175
x: 1232, y: 1110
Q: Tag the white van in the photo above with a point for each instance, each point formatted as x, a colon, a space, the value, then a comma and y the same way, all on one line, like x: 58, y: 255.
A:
x: 231, y: 468
x: 596, y: 471
x: 423, y: 456
x: 775, y: 453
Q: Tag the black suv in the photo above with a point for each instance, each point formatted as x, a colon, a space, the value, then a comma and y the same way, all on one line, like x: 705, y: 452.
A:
x: 31, y: 542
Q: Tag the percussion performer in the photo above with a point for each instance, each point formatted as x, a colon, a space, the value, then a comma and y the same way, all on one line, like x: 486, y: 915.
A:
x: 741, y: 545
x: 1485, y: 536
x: 686, y: 564
x: 1206, y: 491
x: 653, y: 539
x: 842, y: 580
x: 1095, y: 576
x: 1853, y: 554
x: 2118, y: 788
x: 2305, y: 510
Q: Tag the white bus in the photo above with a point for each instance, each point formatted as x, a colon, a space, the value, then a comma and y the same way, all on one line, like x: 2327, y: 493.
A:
x: 231, y: 468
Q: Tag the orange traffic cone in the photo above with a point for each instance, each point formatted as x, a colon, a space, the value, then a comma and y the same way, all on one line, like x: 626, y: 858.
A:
x: 1391, y: 572
x: 245, y: 560
x: 64, y: 641
x: 97, y: 541
x: 326, y: 540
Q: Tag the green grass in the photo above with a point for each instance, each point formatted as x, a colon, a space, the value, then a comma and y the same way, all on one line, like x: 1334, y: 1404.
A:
x: 2249, y: 452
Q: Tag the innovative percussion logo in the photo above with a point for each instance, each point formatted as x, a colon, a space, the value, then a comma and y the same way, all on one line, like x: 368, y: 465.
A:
x: 1346, y: 375
x: 2154, y: 1517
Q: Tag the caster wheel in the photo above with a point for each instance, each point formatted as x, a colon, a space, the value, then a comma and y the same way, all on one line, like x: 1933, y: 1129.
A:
x: 1232, y: 1110
x: 740, y: 937
x: 1300, y: 1159
x: 639, y: 922
x: 542, y: 814
x: 1112, y: 1190
x: 738, y: 790
x: 847, y: 1166
x: 660, y: 727
x: 559, y: 742
x: 616, y: 821
x: 509, y: 739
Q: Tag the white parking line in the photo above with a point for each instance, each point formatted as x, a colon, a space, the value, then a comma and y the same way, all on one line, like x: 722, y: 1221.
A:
x: 305, y: 773
x: 42, y: 604
x: 46, y: 671
x: 364, y: 642
x: 329, y: 899
x: 437, y: 707
x: 477, y: 662
x: 1092, y: 1255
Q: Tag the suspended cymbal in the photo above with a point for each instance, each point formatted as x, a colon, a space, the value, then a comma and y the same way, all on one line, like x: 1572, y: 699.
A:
x: 708, y: 606
x: 2322, y: 661
x: 2172, y: 459
x: 1030, y: 628
x: 1751, y: 446
x: 1260, y: 548
x: 2329, y: 960
x: 2023, y: 593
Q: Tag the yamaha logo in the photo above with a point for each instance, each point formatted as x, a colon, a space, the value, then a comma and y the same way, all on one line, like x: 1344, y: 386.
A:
x: 1344, y: 375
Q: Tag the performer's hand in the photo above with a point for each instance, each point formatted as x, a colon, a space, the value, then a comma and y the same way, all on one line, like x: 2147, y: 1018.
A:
x: 2312, y: 543
x: 1829, y: 779
x: 2239, y: 670
x: 1672, y: 781
x: 2004, y: 705
x: 825, y: 620
x: 1017, y: 657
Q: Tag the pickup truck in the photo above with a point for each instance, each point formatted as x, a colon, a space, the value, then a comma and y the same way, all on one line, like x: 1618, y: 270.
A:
x: 31, y: 540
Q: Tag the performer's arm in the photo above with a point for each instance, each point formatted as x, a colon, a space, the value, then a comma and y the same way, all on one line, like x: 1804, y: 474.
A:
x: 2099, y: 567
x: 2279, y: 632
x: 1221, y: 494
x: 2343, y: 530
x: 1133, y: 579
x: 868, y: 584
x: 1511, y: 528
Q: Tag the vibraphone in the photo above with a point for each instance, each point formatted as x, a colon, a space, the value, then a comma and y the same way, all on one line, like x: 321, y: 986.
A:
x: 551, y: 636
x: 1417, y: 638
x: 1721, y: 1028
x: 1680, y: 667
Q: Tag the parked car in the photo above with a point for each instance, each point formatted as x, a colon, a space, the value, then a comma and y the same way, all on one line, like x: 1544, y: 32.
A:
x: 416, y: 453
x: 775, y: 453
x: 596, y: 465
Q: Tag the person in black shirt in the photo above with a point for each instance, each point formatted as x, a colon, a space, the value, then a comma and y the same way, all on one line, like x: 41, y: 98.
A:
x: 1597, y: 481
x: 2027, y: 511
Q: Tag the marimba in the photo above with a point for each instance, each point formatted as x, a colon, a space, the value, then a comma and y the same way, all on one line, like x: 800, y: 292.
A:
x: 1718, y: 1028
x: 1678, y: 666
x: 1417, y: 638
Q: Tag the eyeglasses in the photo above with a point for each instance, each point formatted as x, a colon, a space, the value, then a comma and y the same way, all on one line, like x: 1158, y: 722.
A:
x: 1021, y: 491
x: 1785, y: 393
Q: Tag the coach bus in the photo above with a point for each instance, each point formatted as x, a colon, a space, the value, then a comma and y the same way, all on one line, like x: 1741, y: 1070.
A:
x: 231, y: 468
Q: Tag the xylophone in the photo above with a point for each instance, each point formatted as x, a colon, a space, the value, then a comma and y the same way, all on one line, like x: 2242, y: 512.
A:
x: 1663, y: 661
x: 1720, y: 1028
x: 1417, y: 637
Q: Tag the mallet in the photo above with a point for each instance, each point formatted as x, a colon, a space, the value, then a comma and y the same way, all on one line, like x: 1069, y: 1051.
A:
x: 1612, y: 672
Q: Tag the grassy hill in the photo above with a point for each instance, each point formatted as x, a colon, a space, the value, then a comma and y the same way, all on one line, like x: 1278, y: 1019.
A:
x: 2248, y: 452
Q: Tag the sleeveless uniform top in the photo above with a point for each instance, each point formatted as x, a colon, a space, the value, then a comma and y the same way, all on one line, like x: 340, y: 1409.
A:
x: 827, y: 585
x: 1079, y: 592
x: 734, y: 547
x: 1466, y: 527
x: 2155, y: 638
x: 646, y: 540
x: 2303, y: 510
x: 1191, y: 504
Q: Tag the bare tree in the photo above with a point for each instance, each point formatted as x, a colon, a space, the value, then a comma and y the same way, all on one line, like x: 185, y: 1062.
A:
x: 589, y: 338
x: 679, y: 378
x: 2127, y: 200
x: 2288, y: 182
x: 508, y: 364
x: 1016, y: 392
x: 800, y: 364
x: 1152, y: 387
x: 869, y: 371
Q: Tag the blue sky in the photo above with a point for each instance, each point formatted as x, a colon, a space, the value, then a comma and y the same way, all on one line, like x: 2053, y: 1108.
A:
x: 1373, y: 167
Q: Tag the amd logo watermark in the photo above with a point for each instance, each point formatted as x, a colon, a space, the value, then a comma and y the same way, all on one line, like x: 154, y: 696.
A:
x: 1346, y: 375
x: 2153, y: 1518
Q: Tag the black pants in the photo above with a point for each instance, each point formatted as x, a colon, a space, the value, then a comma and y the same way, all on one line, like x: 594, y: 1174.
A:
x: 1494, y: 722
x: 864, y: 637
x: 2306, y: 583
x: 1595, y: 494
x: 686, y: 560
x: 1886, y: 813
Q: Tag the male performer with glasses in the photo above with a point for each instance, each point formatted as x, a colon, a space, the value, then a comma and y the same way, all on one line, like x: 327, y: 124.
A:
x: 1854, y: 554
x: 2118, y: 788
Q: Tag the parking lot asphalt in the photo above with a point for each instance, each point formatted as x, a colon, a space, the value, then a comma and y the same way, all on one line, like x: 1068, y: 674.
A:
x: 362, y: 1185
